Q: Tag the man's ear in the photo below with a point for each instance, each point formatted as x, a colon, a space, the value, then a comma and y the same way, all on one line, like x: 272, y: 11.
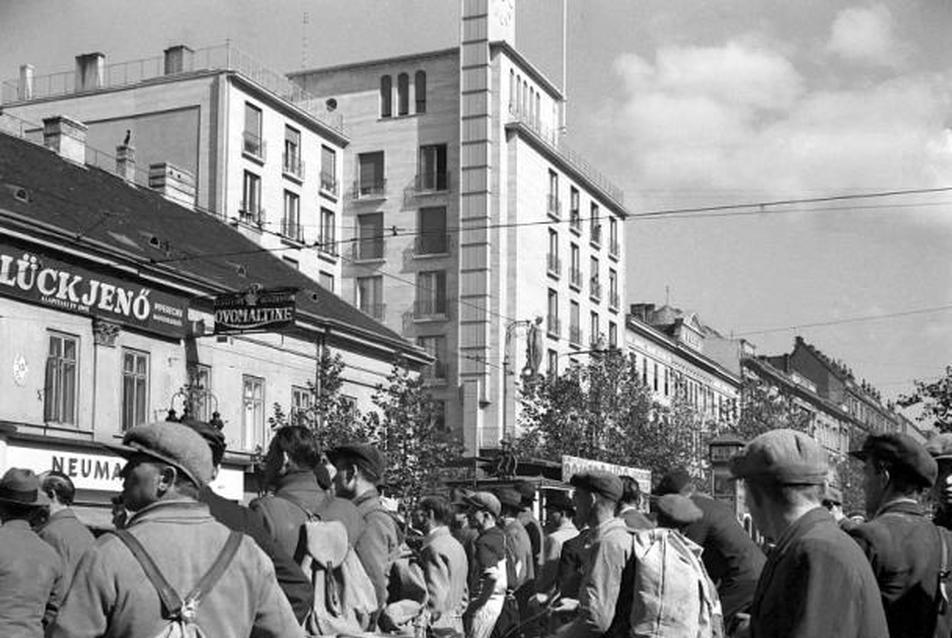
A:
x: 166, y: 478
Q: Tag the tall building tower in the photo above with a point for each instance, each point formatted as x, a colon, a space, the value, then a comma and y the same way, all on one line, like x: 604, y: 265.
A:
x: 470, y: 218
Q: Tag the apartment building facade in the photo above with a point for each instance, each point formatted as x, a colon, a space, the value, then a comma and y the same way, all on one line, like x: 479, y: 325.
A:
x: 470, y: 219
x: 265, y: 157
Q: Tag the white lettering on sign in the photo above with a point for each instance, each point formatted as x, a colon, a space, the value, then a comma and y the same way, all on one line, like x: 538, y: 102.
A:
x: 574, y: 464
x: 88, y: 471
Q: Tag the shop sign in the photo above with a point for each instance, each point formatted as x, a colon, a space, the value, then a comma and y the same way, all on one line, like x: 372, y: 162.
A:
x: 36, y: 277
x: 255, y: 310
x: 574, y: 464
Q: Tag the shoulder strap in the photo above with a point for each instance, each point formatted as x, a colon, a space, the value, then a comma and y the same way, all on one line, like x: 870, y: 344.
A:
x: 167, y: 594
x: 218, y: 568
x: 942, y: 598
x: 311, y: 516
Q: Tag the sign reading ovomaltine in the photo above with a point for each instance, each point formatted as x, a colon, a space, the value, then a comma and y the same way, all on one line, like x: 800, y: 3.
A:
x: 255, y: 310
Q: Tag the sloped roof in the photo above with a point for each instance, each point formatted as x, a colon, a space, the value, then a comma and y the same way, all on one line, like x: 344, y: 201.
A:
x: 89, y: 208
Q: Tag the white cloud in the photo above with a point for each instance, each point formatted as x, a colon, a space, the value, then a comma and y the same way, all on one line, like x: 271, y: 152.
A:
x: 865, y: 34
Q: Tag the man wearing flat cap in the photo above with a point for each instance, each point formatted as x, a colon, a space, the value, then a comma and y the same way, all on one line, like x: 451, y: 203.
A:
x: 817, y: 583
x: 558, y: 518
x: 940, y: 448
x: 360, y: 469
x: 488, y: 579
x: 519, y: 547
x: 903, y: 546
x: 31, y: 572
x: 167, y: 466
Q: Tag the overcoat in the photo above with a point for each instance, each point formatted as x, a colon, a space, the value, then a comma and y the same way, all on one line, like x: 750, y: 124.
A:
x: 31, y: 581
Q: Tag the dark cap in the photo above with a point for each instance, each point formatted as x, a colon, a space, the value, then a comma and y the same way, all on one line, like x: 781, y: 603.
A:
x: 22, y: 487
x: 598, y: 482
x: 527, y: 491
x: 675, y: 510
x: 172, y: 443
x: 784, y: 456
x: 673, y: 482
x: 559, y: 501
x: 484, y: 501
x: 940, y: 446
x: 903, y: 453
x: 212, y: 435
x: 509, y: 496
x: 365, y: 456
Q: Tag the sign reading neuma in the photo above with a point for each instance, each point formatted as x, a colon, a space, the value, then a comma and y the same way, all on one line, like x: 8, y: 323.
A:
x: 39, y: 278
x: 254, y: 310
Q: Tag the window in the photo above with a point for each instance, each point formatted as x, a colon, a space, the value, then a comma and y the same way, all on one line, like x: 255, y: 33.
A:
x: 326, y: 280
x: 575, y: 274
x: 575, y: 330
x: 552, y: 199
x: 436, y: 346
x: 251, y: 199
x: 253, y: 144
x: 553, y: 325
x: 290, y: 261
x: 431, y: 293
x: 292, y: 152
x: 554, y: 266
x: 59, y: 393
x: 613, y: 300
x: 612, y: 334
x: 403, y: 94
x: 419, y: 89
x: 519, y: 94
x: 594, y: 281
x: 327, y: 242
x: 135, y: 388
x: 538, y: 109
x: 596, y: 225
x: 300, y: 401
x: 644, y: 371
x: 253, y: 433
x: 370, y: 180
x: 432, y: 171
x: 552, y: 365
x: 655, y: 377
x: 613, y: 247
x: 291, y: 223
x: 594, y: 330
x: 370, y: 295
x: 329, y: 170
x: 439, y: 415
x: 575, y: 219
x: 370, y: 236
x: 666, y: 388
x: 512, y: 90
x: 432, y: 239
x: 386, y: 96
x: 200, y: 387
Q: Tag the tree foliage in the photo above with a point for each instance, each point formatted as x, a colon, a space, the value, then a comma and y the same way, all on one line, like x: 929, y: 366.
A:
x: 764, y: 407
x: 934, y: 399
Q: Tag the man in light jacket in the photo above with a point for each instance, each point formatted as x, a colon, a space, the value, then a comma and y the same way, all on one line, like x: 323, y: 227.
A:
x: 444, y: 567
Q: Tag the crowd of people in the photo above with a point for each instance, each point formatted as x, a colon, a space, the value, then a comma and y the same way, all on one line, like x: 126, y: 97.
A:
x: 324, y: 552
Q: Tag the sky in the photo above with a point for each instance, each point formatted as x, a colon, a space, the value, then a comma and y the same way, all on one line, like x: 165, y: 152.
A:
x: 683, y: 103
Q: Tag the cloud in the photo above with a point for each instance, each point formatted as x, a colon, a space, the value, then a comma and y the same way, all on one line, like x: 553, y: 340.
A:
x: 865, y: 34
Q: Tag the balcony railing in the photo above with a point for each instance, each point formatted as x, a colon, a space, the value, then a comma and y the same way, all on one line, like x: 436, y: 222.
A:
x: 293, y: 165
x: 554, y: 264
x: 614, y: 249
x: 614, y: 301
x: 575, y: 222
x: 554, y: 326
x: 575, y: 335
x: 329, y: 184
x: 595, y: 288
x: 432, y: 243
x: 253, y: 145
x: 575, y: 278
x: 250, y: 213
x: 375, y: 310
x: 596, y: 238
x: 327, y: 245
x: 429, y: 308
x: 553, y: 206
x: 366, y: 249
x: 432, y: 182
x: 291, y: 229
x: 369, y: 190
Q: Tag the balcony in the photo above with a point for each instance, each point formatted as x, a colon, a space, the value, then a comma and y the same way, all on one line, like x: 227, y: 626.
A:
x: 553, y: 326
x: 330, y: 185
x: 250, y: 213
x: 431, y: 243
x: 575, y: 335
x: 553, y: 206
x: 554, y: 265
x: 326, y: 245
x: 575, y: 278
x: 614, y: 249
x: 375, y: 310
x: 370, y: 190
x: 432, y: 182
x: 595, y: 289
x: 291, y: 230
x: 253, y: 146
x: 614, y: 301
x: 596, y: 238
x: 292, y: 166
x: 429, y: 308
x: 368, y: 249
x: 575, y: 222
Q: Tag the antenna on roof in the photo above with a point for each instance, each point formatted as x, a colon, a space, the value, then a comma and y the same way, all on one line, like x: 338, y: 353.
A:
x: 304, y: 22
x: 667, y: 295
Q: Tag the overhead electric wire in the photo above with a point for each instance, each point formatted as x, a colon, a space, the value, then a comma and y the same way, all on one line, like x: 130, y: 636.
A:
x: 836, y: 322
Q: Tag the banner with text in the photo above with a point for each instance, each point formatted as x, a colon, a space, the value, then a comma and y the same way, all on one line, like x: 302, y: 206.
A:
x: 255, y: 310
x: 574, y: 464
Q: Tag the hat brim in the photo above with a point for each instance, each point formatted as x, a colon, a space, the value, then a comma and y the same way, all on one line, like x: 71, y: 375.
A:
x: 126, y: 451
x: 42, y: 500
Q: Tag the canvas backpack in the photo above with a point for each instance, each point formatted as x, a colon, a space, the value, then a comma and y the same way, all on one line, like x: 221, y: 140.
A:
x: 181, y: 613
x: 673, y: 595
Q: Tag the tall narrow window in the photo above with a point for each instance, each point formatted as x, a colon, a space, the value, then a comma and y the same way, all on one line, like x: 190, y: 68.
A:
x: 613, y: 247
x: 370, y: 295
x: 370, y: 236
x: 300, y: 401
x: 370, y: 180
x: 403, y: 94
x: 59, y: 393
x: 512, y: 91
x: 575, y: 218
x: 432, y: 170
x: 250, y: 211
x: 292, y: 151
x: 419, y: 90
x: 596, y: 225
x: 291, y: 222
x: 613, y: 300
x: 253, y: 433
x: 594, y: 281
x: 135, y: 388
x: 612, y: 334
x: 386, y: 96
x: 538, y: 110
x: 200, y: 387
x: 431, y: 293
x: 575, y: 267
x: 436, y: 346
x: 329, y: 170
x: 595, y: 330
x: 253, y: 144
x: 327, y: 242
x: 553, y: 324
x: 554, y: 265
x: 432, y: 239
x: 519, y: 94
x: 552, y: 366
x: 575, y: 328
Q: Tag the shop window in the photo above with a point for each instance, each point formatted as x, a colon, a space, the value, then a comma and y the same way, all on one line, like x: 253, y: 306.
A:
x: 135, y: 388
x: 59, y: 396
x: 253, y: 433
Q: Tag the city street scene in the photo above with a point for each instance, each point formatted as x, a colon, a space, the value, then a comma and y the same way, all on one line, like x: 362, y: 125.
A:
x: 475, y: 318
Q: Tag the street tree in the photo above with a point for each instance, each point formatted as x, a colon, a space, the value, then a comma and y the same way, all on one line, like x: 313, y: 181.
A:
x: 764, y: 407
x: 934, y: 399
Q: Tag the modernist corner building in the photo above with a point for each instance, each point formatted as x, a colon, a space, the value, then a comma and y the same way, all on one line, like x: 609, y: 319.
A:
x: 470, y: 218
x: 107, y: 299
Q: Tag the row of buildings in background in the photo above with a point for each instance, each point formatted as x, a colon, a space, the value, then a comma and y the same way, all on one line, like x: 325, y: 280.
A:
x: 432, y: 194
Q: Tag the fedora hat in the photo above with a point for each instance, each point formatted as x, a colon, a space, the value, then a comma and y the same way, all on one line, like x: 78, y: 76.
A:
x: 22, y: 487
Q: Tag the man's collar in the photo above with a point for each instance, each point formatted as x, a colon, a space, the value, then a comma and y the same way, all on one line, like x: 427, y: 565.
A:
x: 902, y: 504
x: 296, y: 478
x: 180, y: 507
x: 366, y: 496
x: 436, y: 532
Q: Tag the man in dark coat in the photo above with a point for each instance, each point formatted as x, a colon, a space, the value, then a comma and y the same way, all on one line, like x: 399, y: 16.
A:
x: 940, y: 447
x: 630, y: 502
x: 903, y: 546
x: 63, y: 530
x: 528, y: 519
x: 732, y: 559
x: 816, y: 583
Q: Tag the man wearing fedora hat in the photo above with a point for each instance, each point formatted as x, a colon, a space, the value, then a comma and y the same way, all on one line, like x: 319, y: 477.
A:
x: 31, y: 572
x: 113, y: 593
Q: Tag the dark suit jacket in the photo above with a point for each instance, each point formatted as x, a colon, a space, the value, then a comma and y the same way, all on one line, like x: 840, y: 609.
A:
x: 903, y: 548
x: 573, y: 563
x: 293, y: 582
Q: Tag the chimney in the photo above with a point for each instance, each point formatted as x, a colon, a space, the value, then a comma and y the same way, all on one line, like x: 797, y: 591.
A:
x: 176, y: 184
x: 65, y: 136
x: 25, y: 85
x: 126, y: 162
x: 178, y: 59
x: 90, y: 71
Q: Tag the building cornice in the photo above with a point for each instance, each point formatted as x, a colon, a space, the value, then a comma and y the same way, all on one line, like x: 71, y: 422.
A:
x: 530, y: 69
x: 362, y: 64
x: 694, y: 357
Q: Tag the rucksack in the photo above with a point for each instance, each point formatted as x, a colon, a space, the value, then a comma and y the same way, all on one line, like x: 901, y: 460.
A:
x: 943, y: 586
x: 673, y: 595
x: 181, y: 613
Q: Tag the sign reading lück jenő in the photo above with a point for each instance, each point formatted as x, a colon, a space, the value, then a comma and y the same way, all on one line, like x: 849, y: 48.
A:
x: 256, y: 310
x: 37, y: 277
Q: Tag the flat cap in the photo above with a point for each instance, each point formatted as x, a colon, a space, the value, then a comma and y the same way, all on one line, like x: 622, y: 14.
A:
x: 173, y: 443
x: 940, y: 446
x: 784, y: 456
x: 365, y: 456
x: 675, y: 510
x: 558, y: 501
x: 526, y: 490
x: 212, y: 435
x: 598, y: 482
x: 509, y: 496
x: 673, y: 482
x: 485, y: 501
x: 903, y: 453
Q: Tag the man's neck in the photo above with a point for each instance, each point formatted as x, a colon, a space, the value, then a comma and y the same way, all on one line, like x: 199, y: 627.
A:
x: 782, y: 520
x: 57, y: 507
